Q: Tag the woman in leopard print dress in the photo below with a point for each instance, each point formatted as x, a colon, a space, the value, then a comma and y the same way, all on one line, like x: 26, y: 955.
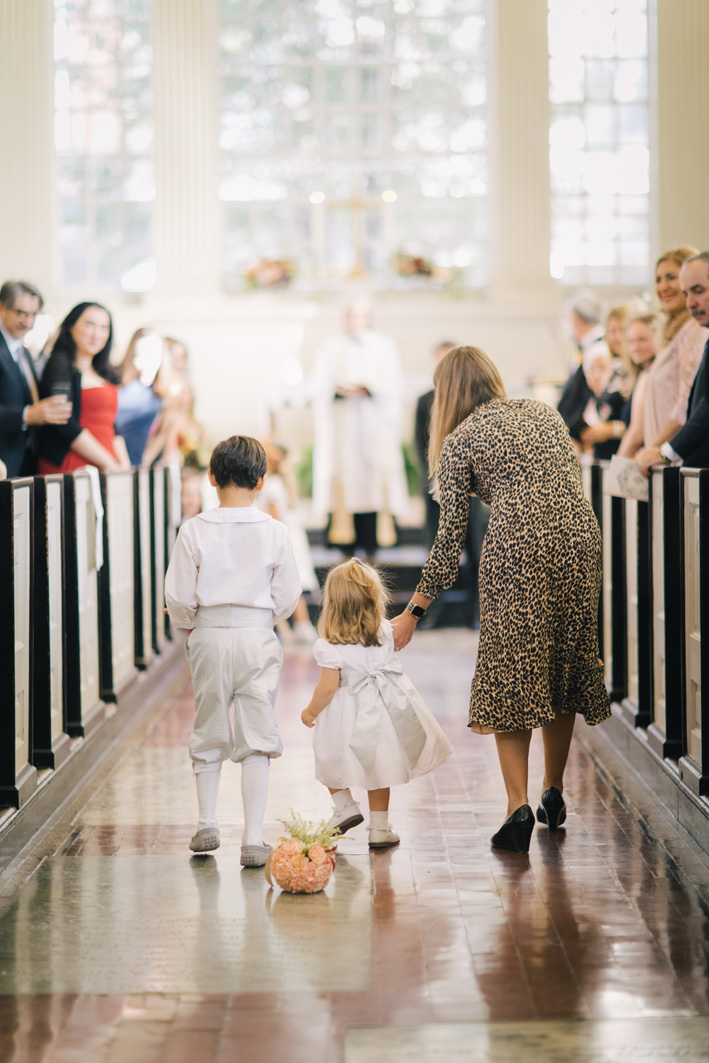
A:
x: 540, y: 575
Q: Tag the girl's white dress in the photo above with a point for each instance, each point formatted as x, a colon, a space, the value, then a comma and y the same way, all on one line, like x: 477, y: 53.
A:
x: 377, y: 731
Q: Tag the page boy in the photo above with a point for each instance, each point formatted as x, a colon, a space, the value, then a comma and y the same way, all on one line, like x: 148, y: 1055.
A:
x: 232, y: 576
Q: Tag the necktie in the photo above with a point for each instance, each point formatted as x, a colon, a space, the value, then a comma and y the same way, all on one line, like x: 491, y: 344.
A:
x: 23, y: 363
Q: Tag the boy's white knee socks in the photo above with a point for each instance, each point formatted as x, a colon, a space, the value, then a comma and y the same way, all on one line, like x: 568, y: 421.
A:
x: 254, y: 793
x: 207, y: 791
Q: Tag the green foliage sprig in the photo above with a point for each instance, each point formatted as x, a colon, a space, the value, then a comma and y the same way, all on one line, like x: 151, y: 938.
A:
x: 308, y: 833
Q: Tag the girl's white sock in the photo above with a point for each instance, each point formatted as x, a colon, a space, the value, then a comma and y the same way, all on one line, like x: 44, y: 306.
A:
x: 254, y: 793
x: 379, y: 821
x: 207, y: 790
x: 341, y: 799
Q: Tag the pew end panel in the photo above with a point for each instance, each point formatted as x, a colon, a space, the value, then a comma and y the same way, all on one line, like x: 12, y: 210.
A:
x: 18, y: 775
x: 117, y: 586
x: 665, y: 733
x: 51, y: 743
x: 143, y: 594
x: 694, y: 765
x: 615, y: 608
x: 84, y: 707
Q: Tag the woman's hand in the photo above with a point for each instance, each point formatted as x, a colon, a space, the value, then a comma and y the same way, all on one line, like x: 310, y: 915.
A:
x: 403, y: 626
x: 308, y: 718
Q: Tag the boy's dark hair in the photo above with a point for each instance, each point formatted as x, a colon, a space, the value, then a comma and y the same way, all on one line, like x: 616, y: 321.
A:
x: 239, y: 460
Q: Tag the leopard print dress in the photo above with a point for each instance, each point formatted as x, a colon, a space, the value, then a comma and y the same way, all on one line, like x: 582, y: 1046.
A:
x: 540, y: 569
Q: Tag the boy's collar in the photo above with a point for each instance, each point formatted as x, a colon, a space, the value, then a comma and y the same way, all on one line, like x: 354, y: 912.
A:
x: 234, y: 515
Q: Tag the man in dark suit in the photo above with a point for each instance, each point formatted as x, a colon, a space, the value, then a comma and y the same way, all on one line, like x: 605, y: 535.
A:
x: 691, y: 444
x: 20, y: 406
x: 476, y: 529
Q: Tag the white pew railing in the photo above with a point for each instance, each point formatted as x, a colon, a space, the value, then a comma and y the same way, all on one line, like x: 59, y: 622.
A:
x: 18, y: 775
x: 695, y: 762
x: 655, y: 601
x: 74, y: 629
x: 144, y: 600
x: 50, y: 740
x: 84, y: 706
x: 117, y: 586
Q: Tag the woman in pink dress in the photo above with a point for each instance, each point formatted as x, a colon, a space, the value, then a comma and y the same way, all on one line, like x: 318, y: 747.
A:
x: 79, y: 367
x: 666, y: 393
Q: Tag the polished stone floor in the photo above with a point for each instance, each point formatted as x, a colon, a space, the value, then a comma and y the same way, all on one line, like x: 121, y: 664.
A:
x: 123, y: 948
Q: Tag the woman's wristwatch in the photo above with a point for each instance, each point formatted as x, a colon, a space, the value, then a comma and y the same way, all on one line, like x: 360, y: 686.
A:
x: 416, y: 611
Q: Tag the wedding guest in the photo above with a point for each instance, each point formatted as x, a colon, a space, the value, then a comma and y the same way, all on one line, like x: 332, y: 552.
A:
x: 540, y: 577
x: 666, y: 393
x: 476, y: 528
x: 585, y: 317
x: 642, y: 348
x: 80, y: 365
x: 144, y: 383
x: 275, y: 498
x: 601, y: 426
x: 691, y: 444
x: 21, y: 409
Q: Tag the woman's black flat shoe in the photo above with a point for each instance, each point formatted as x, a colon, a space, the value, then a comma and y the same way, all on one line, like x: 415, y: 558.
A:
x: 552, y: 809
x: 516, y: 832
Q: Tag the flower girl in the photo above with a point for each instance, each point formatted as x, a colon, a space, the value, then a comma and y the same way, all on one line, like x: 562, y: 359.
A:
x: 372, y: 728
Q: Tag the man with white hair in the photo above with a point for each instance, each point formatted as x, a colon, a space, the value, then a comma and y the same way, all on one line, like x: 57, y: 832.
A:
x: 585, y: 317
x: 358, y: 468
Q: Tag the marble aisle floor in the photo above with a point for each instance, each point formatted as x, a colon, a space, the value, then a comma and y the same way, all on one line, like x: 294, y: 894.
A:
x: 123, y: 948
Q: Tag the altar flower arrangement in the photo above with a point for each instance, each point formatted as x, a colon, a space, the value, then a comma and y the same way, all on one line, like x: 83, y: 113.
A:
x: 304, y: 859
x: 419, y: 269
x: 413, y: 265
x: 269, y: 273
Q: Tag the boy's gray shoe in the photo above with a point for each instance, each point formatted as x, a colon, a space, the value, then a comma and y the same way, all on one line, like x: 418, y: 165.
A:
x: 254, y: 855
x: 205, y: 840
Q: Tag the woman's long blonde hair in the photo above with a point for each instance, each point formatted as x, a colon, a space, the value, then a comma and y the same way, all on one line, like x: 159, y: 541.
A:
x: 673, y: 323
x: 354, y: 605
x: 464, y: 379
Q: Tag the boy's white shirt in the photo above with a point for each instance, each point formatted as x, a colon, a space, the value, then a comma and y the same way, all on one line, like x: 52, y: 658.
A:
x: 231, y: 556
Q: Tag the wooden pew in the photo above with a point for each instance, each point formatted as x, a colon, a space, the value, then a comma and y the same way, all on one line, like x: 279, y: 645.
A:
x: 18, y: 775
x: 144, y: 599
x: 85, y: 708
x: 50, y: 741
x: 666, y: 728
x: 694, y: 765
x: 117, y: 586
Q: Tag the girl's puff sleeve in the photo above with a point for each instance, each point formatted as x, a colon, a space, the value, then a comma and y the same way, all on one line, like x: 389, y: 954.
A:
x: 181, y: 582
x: 326, y: 655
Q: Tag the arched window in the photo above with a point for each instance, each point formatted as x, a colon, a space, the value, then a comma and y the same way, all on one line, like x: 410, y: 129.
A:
x: 104, y: 142
x: 599, y: 141
x: 352, y: 130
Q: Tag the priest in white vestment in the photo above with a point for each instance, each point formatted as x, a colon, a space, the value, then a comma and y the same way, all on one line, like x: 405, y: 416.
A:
x: 358, y: 468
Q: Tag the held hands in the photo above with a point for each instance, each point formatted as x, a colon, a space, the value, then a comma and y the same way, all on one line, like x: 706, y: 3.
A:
x: 308, y: 718
x: 403, y: 626
x: 54, y: 410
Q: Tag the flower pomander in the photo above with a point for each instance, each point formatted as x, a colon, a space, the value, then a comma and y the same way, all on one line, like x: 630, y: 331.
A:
x: 304, y: 859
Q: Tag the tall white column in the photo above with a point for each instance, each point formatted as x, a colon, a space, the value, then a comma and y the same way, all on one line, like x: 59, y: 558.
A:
x: 520, y: 178
x: 682, y: 150
x: 186, y: 218
x: 26, y: 173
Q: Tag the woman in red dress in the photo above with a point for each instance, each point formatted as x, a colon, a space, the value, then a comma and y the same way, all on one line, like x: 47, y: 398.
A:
x: 79, y: 368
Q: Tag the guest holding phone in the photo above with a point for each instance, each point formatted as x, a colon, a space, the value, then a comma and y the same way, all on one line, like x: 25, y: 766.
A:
x: 79, y: 369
